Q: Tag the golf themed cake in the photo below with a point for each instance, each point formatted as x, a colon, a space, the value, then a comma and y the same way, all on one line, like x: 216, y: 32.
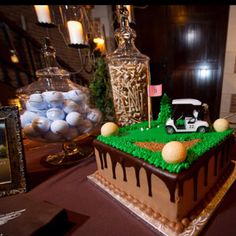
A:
x: 171, y: 168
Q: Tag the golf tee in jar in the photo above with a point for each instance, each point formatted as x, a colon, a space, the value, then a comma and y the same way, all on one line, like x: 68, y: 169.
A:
x: 129, y: 74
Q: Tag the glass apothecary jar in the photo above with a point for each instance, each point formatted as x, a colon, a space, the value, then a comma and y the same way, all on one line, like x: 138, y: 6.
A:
x: 54, y: 108
x: 129, y: 74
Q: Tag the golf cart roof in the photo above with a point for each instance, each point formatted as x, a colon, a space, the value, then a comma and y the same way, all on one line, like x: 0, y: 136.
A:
x: 191, y: 101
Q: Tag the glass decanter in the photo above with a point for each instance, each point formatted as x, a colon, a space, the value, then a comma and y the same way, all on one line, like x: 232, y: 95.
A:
x: 129, y: 73
x: 55, y: 109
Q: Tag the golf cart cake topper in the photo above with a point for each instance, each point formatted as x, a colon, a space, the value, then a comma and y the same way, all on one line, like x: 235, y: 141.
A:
x: 188, y: 116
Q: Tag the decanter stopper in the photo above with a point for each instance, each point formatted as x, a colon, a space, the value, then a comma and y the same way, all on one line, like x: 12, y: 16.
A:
x: 49, y: 53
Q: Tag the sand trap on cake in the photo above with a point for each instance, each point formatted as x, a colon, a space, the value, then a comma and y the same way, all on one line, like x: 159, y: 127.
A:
x: 155, y: 147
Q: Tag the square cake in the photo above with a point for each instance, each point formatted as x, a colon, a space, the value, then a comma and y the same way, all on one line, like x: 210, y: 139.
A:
x: 130, y: 164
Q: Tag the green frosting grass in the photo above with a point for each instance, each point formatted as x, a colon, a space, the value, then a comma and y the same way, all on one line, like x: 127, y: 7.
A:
x: 128, y: 135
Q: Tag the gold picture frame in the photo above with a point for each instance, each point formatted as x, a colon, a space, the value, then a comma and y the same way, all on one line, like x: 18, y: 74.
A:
x: 12, y: 159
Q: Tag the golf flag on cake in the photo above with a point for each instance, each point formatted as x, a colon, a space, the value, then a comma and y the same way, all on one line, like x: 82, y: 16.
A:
x: 154, y: 90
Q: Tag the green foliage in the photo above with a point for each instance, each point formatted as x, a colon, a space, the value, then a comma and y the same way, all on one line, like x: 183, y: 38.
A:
x: 165, y: 110
x: 101, y: 89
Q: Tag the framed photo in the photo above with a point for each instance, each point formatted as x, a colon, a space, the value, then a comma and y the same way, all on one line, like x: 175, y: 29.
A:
x: 12, y: 159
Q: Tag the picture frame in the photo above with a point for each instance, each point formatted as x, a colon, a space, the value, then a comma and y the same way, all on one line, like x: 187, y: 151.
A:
x: 12, y: 158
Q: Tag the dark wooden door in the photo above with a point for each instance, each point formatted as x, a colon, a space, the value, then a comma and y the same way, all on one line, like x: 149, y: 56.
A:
x: 186, y: 46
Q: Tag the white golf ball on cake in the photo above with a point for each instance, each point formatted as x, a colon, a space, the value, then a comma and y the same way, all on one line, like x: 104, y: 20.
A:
x: 109, y: 128
x: 174, y: 152
x: 221, y: 125
x: 59, y: 127
x: 55, y: 114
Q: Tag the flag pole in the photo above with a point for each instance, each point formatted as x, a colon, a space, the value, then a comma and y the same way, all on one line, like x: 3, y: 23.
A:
x: 149, y: 112
x: 149, y: 100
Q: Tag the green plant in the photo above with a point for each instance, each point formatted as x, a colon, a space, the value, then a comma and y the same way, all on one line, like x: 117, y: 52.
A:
x: 101, y: 89
x: 165, y: 109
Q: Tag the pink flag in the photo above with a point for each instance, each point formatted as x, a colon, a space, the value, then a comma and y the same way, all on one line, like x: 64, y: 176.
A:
x: 155, y: 90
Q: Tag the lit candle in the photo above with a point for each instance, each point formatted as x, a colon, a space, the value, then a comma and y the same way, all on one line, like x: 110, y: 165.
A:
x: 14, y: 58
x: 75, y: 32
x: 43, y: 13
x: 100, y: 43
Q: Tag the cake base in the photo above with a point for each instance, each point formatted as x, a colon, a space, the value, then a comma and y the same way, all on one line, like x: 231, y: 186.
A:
x: 195, y: 226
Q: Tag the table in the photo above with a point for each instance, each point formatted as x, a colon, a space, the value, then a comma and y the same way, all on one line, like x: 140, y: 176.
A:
x: 96, y: 213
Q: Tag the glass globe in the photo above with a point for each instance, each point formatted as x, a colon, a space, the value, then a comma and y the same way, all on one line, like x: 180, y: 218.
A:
x: 54, y: 108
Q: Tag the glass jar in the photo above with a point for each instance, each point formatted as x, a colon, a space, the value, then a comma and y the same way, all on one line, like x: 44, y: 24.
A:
x: 129, y: 73
x: 54, y: 109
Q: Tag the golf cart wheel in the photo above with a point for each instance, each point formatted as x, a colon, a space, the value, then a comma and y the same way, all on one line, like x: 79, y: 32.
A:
x: 170, y: 129
x: 202, y: 129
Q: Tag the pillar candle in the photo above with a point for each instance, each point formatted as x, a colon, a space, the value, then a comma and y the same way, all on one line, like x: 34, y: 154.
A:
x: 43, y: 13
x: 75, y: 32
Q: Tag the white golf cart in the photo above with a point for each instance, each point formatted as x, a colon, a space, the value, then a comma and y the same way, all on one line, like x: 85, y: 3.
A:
x: 187, y: 116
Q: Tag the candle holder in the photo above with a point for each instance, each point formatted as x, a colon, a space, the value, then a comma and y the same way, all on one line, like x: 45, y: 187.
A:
x: 73, y: 26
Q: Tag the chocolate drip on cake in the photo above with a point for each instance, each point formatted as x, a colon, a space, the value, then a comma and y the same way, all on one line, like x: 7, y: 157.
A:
x: 137, y: 169
x: 169, y: 179
x: 127, y: 160
x: 105, y: 160
x: 114, y: 162
x: 124, y: 171
x: 101, y: 155
x: 149, y: 182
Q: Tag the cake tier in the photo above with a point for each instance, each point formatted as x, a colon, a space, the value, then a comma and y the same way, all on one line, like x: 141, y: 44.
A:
x: 174, y: 196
